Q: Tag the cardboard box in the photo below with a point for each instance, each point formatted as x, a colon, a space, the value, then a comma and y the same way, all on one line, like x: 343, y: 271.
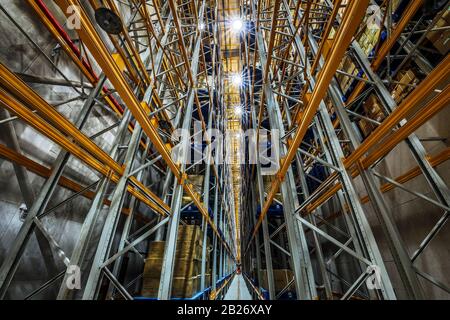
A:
x: 401, y: 90
x: 192, y: 233
x: 187, y: 269
x: 441, y: 38
x: 372, y: 107
x: 366, y: 127
x: 181, y: 287
x: 349, y: 67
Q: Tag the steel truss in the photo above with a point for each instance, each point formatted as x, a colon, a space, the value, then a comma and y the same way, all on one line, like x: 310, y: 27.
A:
x: 170, y: 69
x: 162, y: 86
x: 296, y: 73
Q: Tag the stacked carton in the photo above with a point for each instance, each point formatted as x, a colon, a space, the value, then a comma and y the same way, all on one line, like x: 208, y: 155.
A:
x: 441, y: 38
x: 187, y: 270
x: 369, y: 39
x: 373, y: 110
x: 401, y: 90
x: 349, y: 67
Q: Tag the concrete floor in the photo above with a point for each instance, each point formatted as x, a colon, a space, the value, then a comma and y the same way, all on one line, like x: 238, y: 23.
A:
x: 238, y: 290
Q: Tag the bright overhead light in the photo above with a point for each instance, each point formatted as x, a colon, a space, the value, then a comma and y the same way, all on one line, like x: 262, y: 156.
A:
x: 238, y: 110
x: 236, y: 79
x: 201, y: 26
x: 237, y: 25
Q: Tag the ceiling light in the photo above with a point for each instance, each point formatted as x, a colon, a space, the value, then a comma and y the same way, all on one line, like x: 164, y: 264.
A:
x: 237, y: 25
x: 236, y: 79
x: 238, y: 110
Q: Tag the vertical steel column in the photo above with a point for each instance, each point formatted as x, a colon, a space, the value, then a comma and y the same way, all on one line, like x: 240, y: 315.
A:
x: 165, y: 287
x: 306, y: 194
x: 91, y: 218
x: 215, y: 253
x: 364, y: 228
x: 317, y: 244
x: 221, y: 248
x: 252, y: 211
x: 125, y: 234
x: 217, y: 216
x: 157, y: 65
x: 110, y: 225
x: 22, y: 175
x: 87, y: 229
x: 398, y: 249
x: 401, y: 257
x: 206, y: 202
x: 265, y: 228
x: 304, y: 277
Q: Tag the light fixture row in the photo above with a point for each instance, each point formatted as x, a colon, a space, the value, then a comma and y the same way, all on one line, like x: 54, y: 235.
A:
x: 235, y: 24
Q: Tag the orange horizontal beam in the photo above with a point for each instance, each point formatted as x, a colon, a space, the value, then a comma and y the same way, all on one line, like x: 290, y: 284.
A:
x: 81, y: 63
x: 426, y: 87
x: 45, y: 172
x: 349, y: 25
x: 411, y: 174
x: 99, y: 51
x: 19, y: 89
x: 432, y: 108
x: 414, y: 172
x: 53, y: 134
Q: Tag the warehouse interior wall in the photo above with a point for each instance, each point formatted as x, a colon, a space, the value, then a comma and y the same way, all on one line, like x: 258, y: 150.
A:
x: 64, y: 224
x: 413, y: 216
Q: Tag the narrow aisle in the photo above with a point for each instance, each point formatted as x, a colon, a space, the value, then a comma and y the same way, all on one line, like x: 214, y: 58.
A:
x: 238, y: 290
